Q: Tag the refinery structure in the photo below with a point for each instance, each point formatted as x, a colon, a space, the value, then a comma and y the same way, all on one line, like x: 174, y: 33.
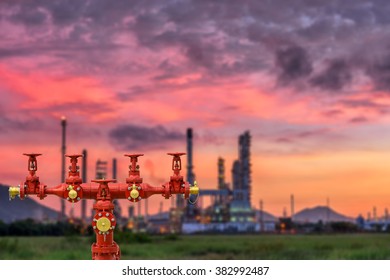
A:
x: 230, y: 207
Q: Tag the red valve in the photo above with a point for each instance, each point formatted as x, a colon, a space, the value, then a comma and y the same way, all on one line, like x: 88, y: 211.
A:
x: 176, y: 162
x: 73, y: 169
x: 32, y: 163
x: 103, y: 192
x: 133, y: 159
x: 134, y: 173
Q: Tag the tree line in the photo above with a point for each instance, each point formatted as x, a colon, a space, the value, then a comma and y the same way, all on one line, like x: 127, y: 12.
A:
x: 30, y: 227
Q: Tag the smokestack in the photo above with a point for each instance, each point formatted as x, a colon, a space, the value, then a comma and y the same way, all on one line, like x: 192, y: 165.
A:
x: 63, y: 171
x: 374, y: 214
x: 221, y: 174
x: 84, y: 178
x: 190, y: 172
x: 386, y: 214
x: 292, y: 206
x: 114, y: 168
x: 245, y: 164
x: 190, y: 209
x: 161, y: 208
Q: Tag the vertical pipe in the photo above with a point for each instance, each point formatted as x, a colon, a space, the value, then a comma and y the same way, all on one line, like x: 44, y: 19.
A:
x: 63, y: 151
x: 190, y: 174
x: 221, y: 179
x: 84, y: 178
x: 114, y: 169
x: 190, y: 211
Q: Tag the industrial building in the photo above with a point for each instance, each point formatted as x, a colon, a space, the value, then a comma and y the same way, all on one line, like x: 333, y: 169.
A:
x: 230, y: 209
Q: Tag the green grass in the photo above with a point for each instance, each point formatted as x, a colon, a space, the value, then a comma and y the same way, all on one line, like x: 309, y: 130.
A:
x: 274, y: 247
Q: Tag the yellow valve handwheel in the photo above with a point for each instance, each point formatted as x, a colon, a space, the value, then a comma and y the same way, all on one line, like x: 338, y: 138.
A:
x: 134, y: 192
x: 103, y: 224
x: 72, y: 193
x: 194, y: 189
x: 13, y: 192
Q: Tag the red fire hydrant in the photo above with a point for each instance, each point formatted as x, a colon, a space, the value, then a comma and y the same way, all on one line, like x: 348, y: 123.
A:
x: 104, y: 191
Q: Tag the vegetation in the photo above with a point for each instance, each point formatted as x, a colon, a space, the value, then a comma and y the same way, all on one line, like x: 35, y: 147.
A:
x: 30, y: 227
x: 142, y: 246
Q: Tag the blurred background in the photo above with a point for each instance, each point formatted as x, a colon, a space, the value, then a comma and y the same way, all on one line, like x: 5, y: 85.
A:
x: 283, y: 107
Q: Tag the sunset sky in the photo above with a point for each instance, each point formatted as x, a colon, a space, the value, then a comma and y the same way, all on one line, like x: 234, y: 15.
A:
x: 309, y: 79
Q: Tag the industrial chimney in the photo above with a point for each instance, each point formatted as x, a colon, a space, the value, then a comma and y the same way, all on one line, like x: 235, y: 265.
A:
x: 63, y: 151
x: 190, y: 213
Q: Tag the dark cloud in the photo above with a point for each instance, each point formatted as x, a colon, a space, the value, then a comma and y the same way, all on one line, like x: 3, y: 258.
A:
x: 366, y: 104
x: 129, y: 137
x: 78, y: 108
x: 379, y: 72
x: 336, y: 75
x: 319, y: 29
x: 132, y: 92
x: 16, y: 52
x: 311, y: 133
x: 8, y: 124
x: 296, y: 136
x: 360, y: 119
x: 284, y: 140
x: 30, y: 17
x: 332, y: 113
x: 293, y: 63
x: 202, y: 55
x: 219, y: 39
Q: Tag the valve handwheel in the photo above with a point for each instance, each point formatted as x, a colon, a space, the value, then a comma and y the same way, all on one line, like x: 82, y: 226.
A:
x: 103, y: 222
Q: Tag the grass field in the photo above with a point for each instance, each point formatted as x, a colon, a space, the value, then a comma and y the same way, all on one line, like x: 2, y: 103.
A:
x: 275, y: 247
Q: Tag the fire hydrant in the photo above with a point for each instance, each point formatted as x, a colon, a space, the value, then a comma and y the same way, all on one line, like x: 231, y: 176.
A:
x: 104, y: 191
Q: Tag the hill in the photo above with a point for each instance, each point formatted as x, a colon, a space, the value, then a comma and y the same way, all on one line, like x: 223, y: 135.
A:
x: 322, y: 213
x: 20, y: 210
x: 266, y: 216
